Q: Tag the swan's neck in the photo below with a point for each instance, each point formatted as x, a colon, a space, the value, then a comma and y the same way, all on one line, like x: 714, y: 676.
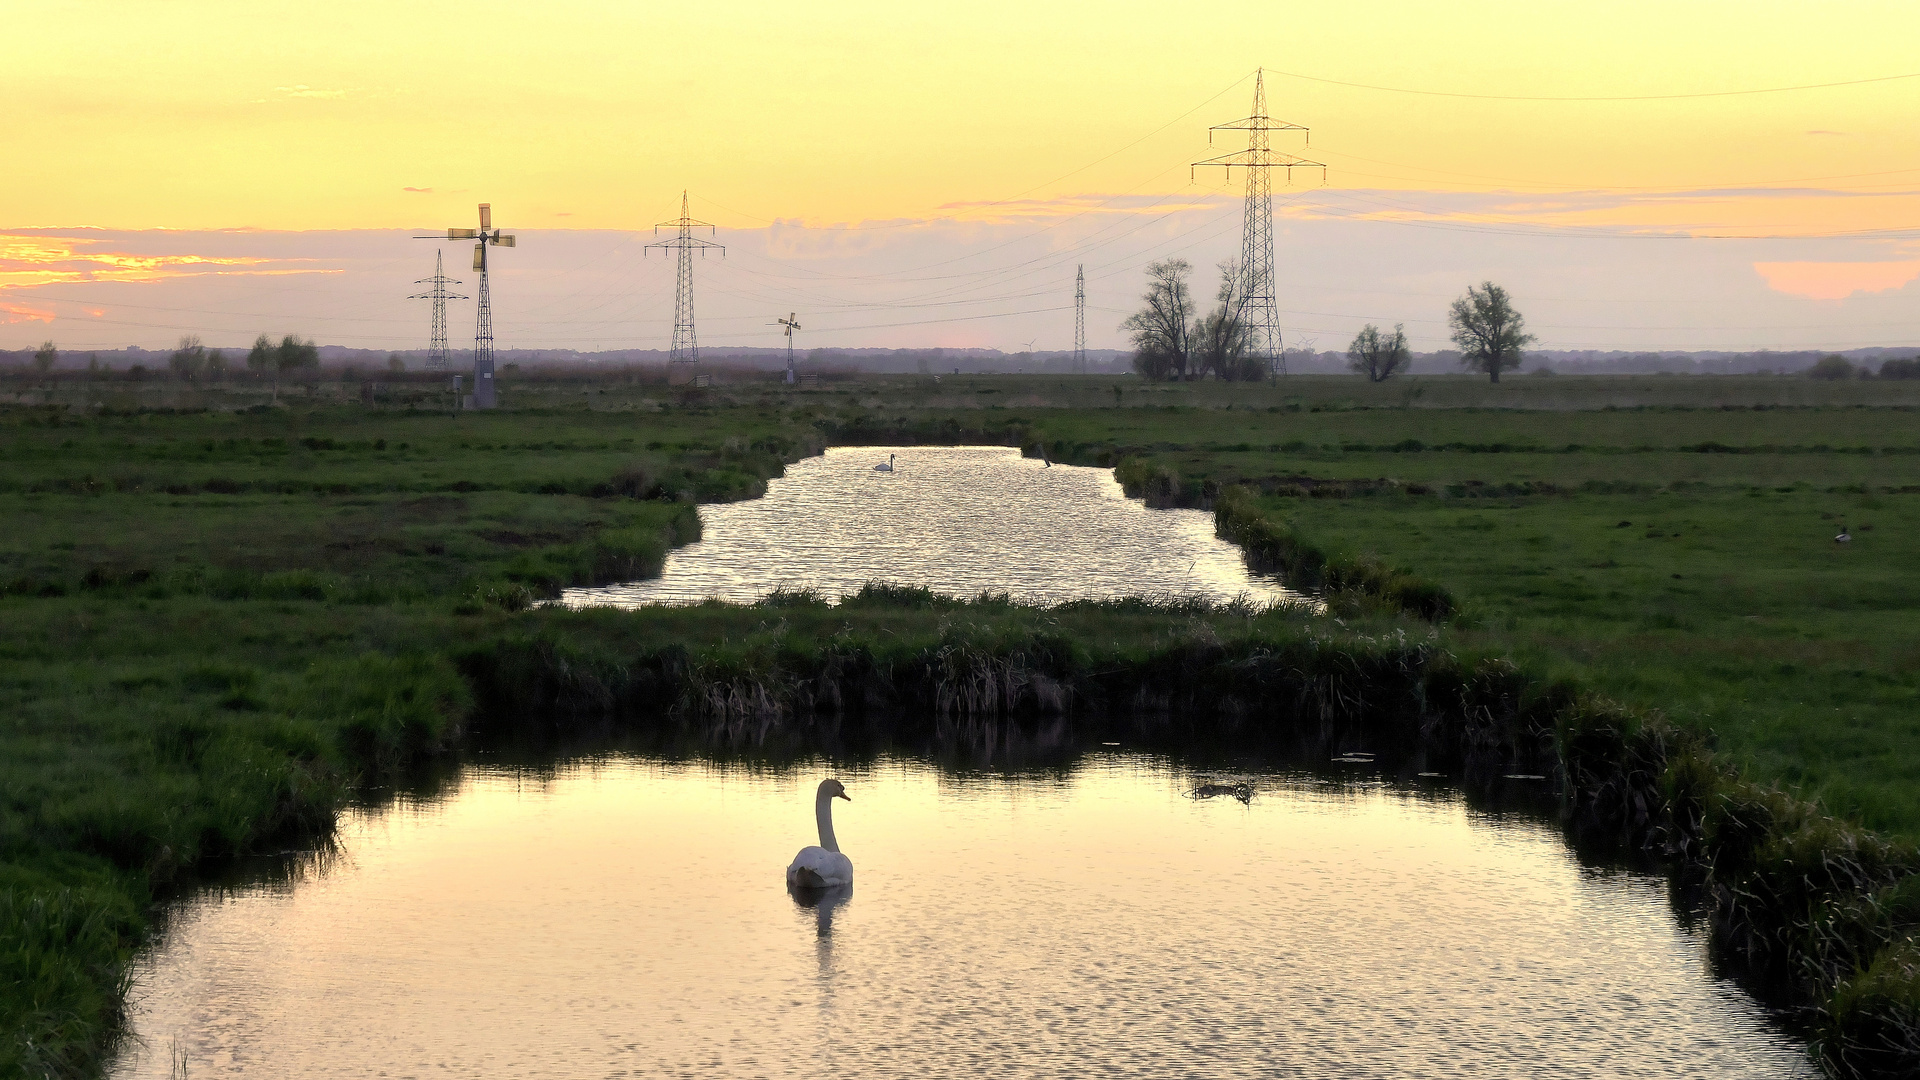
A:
x: 823, y: 813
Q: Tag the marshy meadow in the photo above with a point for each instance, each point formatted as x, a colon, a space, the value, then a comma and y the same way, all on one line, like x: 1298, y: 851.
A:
x: 1595, y: 639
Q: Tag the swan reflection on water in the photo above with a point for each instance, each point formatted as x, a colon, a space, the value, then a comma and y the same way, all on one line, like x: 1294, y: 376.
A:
x: 823, y: 901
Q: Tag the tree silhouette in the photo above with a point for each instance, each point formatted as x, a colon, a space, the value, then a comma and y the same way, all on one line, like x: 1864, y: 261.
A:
x: 1489, y: 332
x: 1378, y: 356
x: 1161, y: 329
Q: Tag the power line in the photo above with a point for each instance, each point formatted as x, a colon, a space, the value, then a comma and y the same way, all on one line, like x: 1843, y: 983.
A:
x: 1620, y: 97
x: 998, y: 202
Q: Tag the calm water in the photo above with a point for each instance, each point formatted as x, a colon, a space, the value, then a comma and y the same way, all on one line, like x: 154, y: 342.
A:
x: 626, y: 917
x: 958, y: 520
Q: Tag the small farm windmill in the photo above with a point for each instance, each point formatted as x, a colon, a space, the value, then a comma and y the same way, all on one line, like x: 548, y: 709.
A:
x: 791, y: 326
x: 488, y: 236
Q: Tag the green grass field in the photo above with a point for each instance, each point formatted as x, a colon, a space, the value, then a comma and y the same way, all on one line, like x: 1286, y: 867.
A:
x: 224, y: 618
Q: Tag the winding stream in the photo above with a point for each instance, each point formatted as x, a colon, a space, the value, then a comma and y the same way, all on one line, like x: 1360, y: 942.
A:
x: 622, y: 913
x: 957, y: 519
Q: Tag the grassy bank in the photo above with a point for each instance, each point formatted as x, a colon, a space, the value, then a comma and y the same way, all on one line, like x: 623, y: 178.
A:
x: 225, y: 619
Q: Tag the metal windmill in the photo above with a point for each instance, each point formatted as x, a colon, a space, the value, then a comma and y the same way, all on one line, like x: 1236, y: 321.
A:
x: 488, y: 236
x: 437, y: 338
x: 686, y: 346
x: 791, y: 327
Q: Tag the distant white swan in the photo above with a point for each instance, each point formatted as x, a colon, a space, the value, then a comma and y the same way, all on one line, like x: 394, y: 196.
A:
x: 888, y: 467
x: 822, y: 867
x: 1844, y: 537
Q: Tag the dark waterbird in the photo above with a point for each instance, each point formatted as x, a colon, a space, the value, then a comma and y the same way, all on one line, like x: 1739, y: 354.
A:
x: 1240, y: 790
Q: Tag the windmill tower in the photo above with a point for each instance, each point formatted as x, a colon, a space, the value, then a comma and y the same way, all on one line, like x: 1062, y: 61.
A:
x: 791, y: 327
x: 1080, y: 321
x: 488, y: 236
x: 1258, y: 305
x: 686, y: 347
x: 437, y: 352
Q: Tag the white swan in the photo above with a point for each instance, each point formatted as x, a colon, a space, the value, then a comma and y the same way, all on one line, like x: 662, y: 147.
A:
x: 888, y: 467
x: 822, y: 867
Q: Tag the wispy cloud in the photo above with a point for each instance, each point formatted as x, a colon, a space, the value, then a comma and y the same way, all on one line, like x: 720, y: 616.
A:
x: 28, y: 261
x: 21, y: 313
x: 1836, y: 280
x: 302, y: 90
x: 418, y: 190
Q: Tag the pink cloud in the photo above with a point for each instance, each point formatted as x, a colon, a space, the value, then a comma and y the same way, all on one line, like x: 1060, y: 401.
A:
x: 1836, y: 280
x: 19, y: 313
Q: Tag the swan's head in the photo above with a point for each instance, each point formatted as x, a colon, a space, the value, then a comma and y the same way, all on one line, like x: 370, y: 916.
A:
x: 832, y: 789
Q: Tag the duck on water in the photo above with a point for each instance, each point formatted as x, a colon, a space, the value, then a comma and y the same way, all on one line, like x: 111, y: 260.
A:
x: 822, y: 866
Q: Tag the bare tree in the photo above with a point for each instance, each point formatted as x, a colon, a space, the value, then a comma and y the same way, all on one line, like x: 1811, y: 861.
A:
x: 1163, y: 328
x: 260, y: 357
x: 1223, y: 339
x: 1489, y: 332
x: 292, y: 355
x: 190, y: 359
x: 45, y: 357
x: 1378, y: 356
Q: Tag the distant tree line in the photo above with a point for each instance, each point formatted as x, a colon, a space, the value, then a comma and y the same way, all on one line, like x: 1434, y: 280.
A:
x: 1174, y: 340
x: 1835, y: 366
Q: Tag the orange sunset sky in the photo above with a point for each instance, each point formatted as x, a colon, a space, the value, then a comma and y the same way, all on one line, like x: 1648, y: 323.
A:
x: 933, y: 174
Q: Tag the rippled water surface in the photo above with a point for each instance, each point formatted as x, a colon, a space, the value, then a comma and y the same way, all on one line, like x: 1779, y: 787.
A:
x: 958, y: 520
x: 626, y: 917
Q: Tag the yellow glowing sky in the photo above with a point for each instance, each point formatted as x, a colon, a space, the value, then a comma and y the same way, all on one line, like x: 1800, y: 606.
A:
x: 207, y: 114
x: 213, y: 167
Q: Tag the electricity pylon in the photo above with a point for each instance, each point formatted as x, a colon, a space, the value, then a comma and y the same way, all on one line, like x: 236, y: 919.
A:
x: 1258, y: 305
x: 437, y: 351
x: 1080, y: 321
x: 686, y: 347
x: 488, y: 236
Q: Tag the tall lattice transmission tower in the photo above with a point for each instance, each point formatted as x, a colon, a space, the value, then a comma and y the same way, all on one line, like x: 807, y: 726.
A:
x: 686, y: 347
x: 1080, y: 321
x: 488, y: 236
x: 437, y: 352
x: 1259, y: 306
